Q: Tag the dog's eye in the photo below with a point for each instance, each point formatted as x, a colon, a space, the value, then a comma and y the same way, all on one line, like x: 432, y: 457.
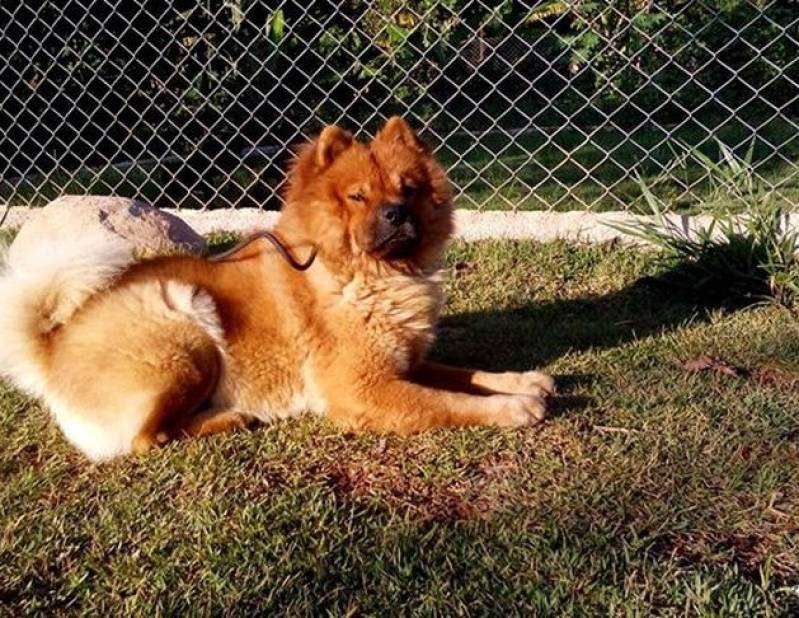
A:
x: 408, y: 190
x: 357, y: 197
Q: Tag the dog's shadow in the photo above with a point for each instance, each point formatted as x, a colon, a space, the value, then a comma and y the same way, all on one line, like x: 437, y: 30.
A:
x: 535, y: 334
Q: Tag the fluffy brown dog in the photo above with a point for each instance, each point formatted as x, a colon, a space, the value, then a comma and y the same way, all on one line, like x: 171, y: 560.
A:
x: 128, y: 355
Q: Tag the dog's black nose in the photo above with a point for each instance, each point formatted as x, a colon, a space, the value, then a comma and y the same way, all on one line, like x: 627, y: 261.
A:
x: 396, y: 214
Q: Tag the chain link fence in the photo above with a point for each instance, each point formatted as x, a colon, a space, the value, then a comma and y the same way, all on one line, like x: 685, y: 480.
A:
x: 554, y: 105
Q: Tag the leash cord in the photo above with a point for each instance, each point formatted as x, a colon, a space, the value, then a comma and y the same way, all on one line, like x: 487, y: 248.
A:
x: 278, y: 244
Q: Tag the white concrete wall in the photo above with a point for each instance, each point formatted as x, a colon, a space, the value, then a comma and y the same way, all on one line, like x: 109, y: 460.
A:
x: 576, y: 226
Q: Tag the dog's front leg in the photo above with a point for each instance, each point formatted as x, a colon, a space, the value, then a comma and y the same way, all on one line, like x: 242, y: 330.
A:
x: 403, y: 407
x: 484, y: 382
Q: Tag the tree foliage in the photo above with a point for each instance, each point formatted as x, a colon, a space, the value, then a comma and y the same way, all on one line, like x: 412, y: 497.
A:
x: 206, y: 79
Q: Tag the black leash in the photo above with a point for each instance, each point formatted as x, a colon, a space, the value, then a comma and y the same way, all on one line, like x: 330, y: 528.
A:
x: 278, y: 244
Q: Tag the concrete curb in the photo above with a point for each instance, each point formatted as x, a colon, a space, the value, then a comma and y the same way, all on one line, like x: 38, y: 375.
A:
x: 576, y: 226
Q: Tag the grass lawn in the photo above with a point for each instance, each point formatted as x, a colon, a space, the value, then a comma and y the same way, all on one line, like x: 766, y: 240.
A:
x: 571, y: 169
x: 652, y: 490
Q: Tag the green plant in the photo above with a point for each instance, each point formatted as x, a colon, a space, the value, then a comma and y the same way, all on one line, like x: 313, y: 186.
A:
x: 746, y: 252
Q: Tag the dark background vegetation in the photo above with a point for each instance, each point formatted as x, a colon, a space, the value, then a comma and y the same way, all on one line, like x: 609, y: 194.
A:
x: 196, y: 85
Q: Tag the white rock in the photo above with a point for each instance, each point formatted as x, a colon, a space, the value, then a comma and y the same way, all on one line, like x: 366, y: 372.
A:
x: 151, y: 231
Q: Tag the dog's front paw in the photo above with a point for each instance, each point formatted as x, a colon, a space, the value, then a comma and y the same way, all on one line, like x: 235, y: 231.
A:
x: 519, y: 410
x: 528, y: 382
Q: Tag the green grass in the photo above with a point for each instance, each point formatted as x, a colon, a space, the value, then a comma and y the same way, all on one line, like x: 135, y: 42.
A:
x: 566, y: 169
x: 651, y: 491
x: 570, y: 169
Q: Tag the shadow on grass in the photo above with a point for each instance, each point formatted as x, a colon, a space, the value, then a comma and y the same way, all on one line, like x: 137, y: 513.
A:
x: 726, y: 277
x: 537, y: 334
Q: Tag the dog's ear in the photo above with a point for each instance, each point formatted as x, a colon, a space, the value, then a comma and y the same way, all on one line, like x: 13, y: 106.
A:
x: 322, y: 151
x: 332, y: 141
x: 314, y: 156
x: 397, y: 131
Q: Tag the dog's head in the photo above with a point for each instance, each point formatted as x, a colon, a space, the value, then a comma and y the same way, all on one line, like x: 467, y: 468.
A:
x: 383, y: 202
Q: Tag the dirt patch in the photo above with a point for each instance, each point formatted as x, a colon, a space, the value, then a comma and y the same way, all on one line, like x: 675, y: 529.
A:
x: 769, y: 539
x: 27, y: 457
x: 747, y: 551
x: 776, y: 378
x: 772, y: 377
x: 475, y: 494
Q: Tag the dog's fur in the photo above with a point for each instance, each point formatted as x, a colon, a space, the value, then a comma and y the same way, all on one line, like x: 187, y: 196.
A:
x: 129, y: 355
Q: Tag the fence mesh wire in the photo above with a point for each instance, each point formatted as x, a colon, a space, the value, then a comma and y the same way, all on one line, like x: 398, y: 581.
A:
x: 540, y: 105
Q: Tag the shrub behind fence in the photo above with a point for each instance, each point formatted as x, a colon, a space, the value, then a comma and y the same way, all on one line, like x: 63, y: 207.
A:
x: 544, y: 105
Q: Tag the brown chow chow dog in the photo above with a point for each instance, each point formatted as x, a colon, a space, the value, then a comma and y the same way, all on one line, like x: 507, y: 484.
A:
x: 129, y: 355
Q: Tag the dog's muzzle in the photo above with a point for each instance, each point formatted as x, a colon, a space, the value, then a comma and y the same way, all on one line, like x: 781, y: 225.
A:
x: 396, y: 233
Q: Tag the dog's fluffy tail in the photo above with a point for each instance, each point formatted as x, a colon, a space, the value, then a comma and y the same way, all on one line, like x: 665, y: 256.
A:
x: 41, y: 287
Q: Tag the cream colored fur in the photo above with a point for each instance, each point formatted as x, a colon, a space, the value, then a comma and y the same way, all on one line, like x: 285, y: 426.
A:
x: 41, y: 289
x: 106, y: 428
x: 391, y: 307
